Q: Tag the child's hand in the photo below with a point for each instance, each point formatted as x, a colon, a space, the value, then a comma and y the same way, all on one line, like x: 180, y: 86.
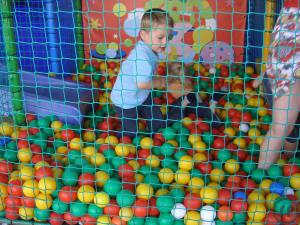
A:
x: 177, y: 89
x: 256, y: 82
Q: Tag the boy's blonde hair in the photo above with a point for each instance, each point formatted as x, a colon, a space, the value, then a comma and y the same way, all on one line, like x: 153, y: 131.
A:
x: 156, y: 16
x: 175, y: 71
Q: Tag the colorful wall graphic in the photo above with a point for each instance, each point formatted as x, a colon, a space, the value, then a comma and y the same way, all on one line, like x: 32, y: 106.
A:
x: 209, y: 30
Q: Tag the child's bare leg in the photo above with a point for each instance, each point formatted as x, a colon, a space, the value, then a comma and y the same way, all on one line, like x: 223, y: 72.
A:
x: 285, y: 112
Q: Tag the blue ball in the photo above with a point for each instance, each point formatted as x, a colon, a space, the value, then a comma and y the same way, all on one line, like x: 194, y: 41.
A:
x: 240, y: 195
x: 277, y: 188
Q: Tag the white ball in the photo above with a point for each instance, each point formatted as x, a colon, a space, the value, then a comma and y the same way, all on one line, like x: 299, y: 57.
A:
x: 244, y: 127
x: 212, y: 70
x: 207, y: 213
x: 178, y: 211
x: 288, y: 191
x: 208, y: 223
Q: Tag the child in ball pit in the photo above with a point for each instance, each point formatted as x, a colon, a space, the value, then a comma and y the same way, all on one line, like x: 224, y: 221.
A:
x: 283, y: 73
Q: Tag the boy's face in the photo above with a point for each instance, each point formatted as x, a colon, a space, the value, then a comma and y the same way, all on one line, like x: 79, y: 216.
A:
x: 157, y: 37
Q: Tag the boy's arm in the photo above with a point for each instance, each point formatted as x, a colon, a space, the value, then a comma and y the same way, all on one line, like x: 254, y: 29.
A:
x: 156, y: 83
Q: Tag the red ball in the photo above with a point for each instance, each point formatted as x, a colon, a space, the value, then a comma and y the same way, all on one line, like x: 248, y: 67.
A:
x: 248, y: 185
x: 13, y: 201
x: 140, y: 208
x: 44, y: 171
x: 125, y: 140
x: 290, y: 169
x: 153, y: 211
x: 272, y: 218
x: 35, y: 148
x: 12, y: 213
x: 143, y: 153
x: 33, y: 130
x: 232, y: 186
x: 56, y: 219
x: 224, y: 196
x: 290, y: 217
x: 112, y: 209
x: 67, y: 135
x: 128, y: 183
x: 235, y: 121
x: 88, y: 220
x: 125, y: 170
x: 23, y: 134
x: 28, y: 202
x: 5, y: 167
x: 15, y: 188
x: 239, y: 205
x: 67, y: 194
x: 247, y: 117
x: 23, y: 144
x: 70, y: 219
x: 30, y: 117
x: 192, y: 201
x: 204, y: 167
x: 232, y: 113
x: 224, y: 213
x: 159, y: 136
x: 3, y: 178
x: 203, y: 126
x: 219, y: 143
x: 86, y: 179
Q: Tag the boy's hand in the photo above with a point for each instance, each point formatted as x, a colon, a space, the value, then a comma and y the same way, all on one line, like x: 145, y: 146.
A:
x: 177, y: 90
x: 256, y: 82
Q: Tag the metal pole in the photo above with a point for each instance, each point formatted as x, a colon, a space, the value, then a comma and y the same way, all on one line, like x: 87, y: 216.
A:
x: 79, y: 34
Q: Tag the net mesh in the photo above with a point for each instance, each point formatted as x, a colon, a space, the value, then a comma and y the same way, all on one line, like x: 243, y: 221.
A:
x: 104, y: 121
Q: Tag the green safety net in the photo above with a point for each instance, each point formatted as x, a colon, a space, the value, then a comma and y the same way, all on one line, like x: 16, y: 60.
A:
x: 65, y: 157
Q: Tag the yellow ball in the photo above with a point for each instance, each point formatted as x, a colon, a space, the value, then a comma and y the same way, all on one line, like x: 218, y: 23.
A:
x: 101, y: 199
x: 89, y: 151
x: 166, y: 175
x: 240, y: 142
x: 24, y: 155
x: 3, y: 190
x: 57, y: 172
x: 56, y: 126
x: 256, y: 197
x: 100, y: 141
x: 153, y: 161
x: 26, y: 173
x: 47, y: 185
x: 126, y: 214
x: 26, y: 213
x: 199, y: 157
x: 195, y: 184
x: 186, y: 162
x: 192, y: 218
x: 251, y: 222
x: 193, y: 138
x: 6, y: 129
x: 89, y: 136
x: 134, y: 164
x: 43, y: 201
x: 144, y: 191
x: 199, y: 146
x: 232, y: 166
x: 209, y: 195
x: 254, y: 133
x: 281, y: 162
x: 270, y: 199
x: 161, y: 191
x: 259, y: 140
x: 104, y: 220
x: 76, y: 144
x: 2, y: 203
x: 41, y: 164
x: 63, y: 150
x: 111, y: 140
x: 295, y: 181
x: 256, y: 212
x: 101, y: 177
x: 229, y: 131
x: 173, y: 142
x: 139, y: 178
x: 86, y: 194
x: 182, y: 176
x: 265, y: 185
x: 122, y: 150
x: 146, y: 143
x: 217, y: 175
x: 187, y: 121
x: 249, y: 70
x: 30, y: 188
x: 262, y: 111
x: 98, y: 159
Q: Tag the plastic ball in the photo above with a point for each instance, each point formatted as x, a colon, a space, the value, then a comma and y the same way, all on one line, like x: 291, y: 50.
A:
x: 195, y: 184
x: 56, y: 125
x: 166, y: 175
x: 24, y: 155
x: 43, y: 201
x: 209, y: 195
x: 244, y: 127
x: 240, y: 142
x: 153, y: 161
x: 30, y: 188
x: 122, y: 150
x: 89, y: 136
x: 103, y: 220
x: 217, y: 175
x: 193, y: 138
x: 76, y: 144
x: 78, y: 209
x: 192, y: 201
x: 257, y: 212
x: 26, y: 213
x: 186, y: 162
x: 47, y: 185
x: 192, y: 218
x: 101, y: 177
x: 165, y: 203
x: 26, y: 173
x: 199, y: 146
x: 288, y: 191
x: 277, y: 188
x: 182, y: 176
x: 270, y: 199
x: 168, y: 133
x: 208, y: 213
x: 67, y: 194
x: 232, y: 166
x: 140, y: 208
x: 178, y: 211
x: 86, y: 194
x: 112, y: 187
x: 256, y: 196
x: 144, y: 191
x: 229, y: 131
x: 224, y: 213
x: 146, y: 143
x: 6, y: 129
x: 253, y: 133
x: 59, y: 206
x: 295, y: 181
x: 126, y: 214
x: 101, y: 199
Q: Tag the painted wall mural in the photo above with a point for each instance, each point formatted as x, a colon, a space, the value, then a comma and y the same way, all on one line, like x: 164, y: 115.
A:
x: 206, y: 30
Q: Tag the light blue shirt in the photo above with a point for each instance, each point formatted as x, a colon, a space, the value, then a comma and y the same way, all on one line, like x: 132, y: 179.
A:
x: 137, y: 68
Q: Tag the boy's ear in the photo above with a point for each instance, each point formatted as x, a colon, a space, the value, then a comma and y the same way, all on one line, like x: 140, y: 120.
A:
x: 143, y: 34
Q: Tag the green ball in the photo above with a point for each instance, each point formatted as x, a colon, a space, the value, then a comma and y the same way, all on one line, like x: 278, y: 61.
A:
x: 94, y: 211
x: 89, y: 168
x: 249, y: 166
x: 167, y: 149
x: 267, y: 119
x: 275, y: 172
x: 196, y: 173
x: 224, y: 155
x: 59, y: 185
x: 117, y: 161
x: 167, y: 162
x: 78, y: 209
x: 282, y: 205
x: 125, y: 198
x: 179, y: 154
x: 12, y: 145
x: 112, y: 187
x: 207, y: 138
x: 177, y: 194
x: 136, y: 221
x: 151, y: 221
x: 70, y: 178
x: 59, y: 206
x: 258, y: 175
x: 136, y: 140
x: 2, y: 214
x: 239, y: 217
x: 166, y: 219
x: 169, y: 133
x: 42, y: 143
x: 253, y: 148
x: 145, y: 170
x: 44, y: 122
x: 165, y: 203
x: 185, y: 145
x: 74, y: 155
x: 107, y: 167
x: 109, y: 154
x: 11, y: 155
x: 217, y: 164
x: 156, y: 151
x: 178, y: 222
x: 42, y: 215
x: 153, y: 180
x: 220, y: 222
x: 177, y: 125
x: 80, y: 162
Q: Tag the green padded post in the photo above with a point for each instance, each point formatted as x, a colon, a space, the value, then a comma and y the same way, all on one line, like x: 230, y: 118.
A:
x: 12, y: 61
x: 79, y: 33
